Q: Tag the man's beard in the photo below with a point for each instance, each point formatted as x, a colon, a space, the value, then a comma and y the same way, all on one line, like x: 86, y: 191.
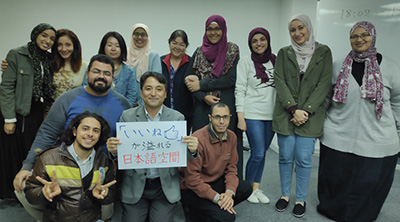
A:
x: 99, y: 88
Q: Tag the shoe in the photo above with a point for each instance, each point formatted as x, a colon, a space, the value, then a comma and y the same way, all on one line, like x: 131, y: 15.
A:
x: 299, y: 210
x: 253, y: 197
x: 281, y: 205
x: 261, y: 197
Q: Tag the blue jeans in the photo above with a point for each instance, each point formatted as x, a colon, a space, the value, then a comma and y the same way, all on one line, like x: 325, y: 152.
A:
x: 298, y: 149
x: 259, y: 134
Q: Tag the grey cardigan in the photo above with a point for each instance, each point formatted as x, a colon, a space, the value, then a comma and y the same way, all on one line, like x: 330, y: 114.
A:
x: 353, y: 127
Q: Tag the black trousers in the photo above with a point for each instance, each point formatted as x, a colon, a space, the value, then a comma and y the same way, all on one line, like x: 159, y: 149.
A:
x: 204, y: 210
x: 352, y: 187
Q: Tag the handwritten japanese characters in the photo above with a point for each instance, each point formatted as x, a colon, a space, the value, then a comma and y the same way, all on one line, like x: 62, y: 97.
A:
x: 151, y: 144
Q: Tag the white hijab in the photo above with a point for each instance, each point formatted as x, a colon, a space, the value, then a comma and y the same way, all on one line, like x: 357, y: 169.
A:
x: 139, y: 56
x: 305, y: 51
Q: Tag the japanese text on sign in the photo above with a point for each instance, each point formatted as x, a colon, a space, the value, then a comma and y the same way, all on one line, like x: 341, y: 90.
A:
x: 151, y: 144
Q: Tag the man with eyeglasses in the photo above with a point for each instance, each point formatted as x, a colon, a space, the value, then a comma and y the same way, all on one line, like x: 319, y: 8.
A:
x: 210, y: 187
x: 96, y: 97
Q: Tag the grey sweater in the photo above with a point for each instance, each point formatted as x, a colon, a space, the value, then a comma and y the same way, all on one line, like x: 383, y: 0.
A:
x: 353, y: 127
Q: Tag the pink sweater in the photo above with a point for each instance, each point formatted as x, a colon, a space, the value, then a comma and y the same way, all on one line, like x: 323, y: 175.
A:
x: 216, y: 158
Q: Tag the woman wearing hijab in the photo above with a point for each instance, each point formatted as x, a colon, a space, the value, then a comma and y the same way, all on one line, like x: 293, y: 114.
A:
x: 25, y: 90
x: 211, y: 77
x: 255, y: 100
x: 303, y: 72
x: 361, y: 132
x: 140, y: 55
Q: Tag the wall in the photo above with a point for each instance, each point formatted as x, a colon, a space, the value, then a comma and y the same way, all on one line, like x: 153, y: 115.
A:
x: 91, y: 19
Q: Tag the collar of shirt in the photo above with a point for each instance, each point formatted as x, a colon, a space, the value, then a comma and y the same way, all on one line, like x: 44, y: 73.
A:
x: 156, y: 118
x: 85, y: 166
x: 213, y: 135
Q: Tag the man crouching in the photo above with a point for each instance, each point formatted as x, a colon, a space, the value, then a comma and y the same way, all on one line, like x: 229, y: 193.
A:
x: 211, y: 186
x: 67, y: 180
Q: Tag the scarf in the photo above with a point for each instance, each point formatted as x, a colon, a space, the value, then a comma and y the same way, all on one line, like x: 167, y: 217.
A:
x: 305, y: 51
x: 372, y: 85
x: 43, y: 88
x: 258, y: 60
x: 139, y: 56
x: 216, y: 53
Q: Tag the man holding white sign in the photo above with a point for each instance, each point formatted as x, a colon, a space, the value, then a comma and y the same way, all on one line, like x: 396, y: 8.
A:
x: 151, y: 191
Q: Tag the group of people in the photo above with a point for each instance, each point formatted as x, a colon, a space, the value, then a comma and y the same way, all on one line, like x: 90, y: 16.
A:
x: 60, y: 113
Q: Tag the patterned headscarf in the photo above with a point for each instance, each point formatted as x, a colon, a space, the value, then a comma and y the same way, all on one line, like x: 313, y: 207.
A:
x: 372, y: 85
x: 305, y: 51
x: 258, y: 60
x: 139, y: 56
x: 216, y: 53
x: 43, y: 88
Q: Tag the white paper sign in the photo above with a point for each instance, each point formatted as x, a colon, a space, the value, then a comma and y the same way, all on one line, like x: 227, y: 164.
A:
x: 151, y: 144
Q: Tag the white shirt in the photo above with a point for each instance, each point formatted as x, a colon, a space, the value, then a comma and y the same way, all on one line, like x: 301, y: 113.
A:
x: 255, y: 99
x: 85, y: 166
x: 153, y: 173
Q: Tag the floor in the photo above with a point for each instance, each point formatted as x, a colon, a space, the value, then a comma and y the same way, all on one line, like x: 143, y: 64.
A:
x: 11, y: 211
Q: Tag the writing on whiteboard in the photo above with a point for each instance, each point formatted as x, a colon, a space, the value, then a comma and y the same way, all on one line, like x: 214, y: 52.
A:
x: 390, y: 10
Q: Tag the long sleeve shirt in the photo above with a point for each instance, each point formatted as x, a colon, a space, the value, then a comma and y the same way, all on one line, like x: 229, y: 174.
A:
x: 217, y: 158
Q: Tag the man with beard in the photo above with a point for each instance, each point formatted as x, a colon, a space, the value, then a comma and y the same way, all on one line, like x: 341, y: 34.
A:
x: 74, y: 180
x: 95, y: 97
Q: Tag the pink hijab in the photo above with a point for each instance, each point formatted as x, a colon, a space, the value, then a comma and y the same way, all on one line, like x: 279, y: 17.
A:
x: 372, y: 85
x: 216, y: 53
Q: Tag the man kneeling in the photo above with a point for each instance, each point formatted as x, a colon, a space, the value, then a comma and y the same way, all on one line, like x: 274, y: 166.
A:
x: 68, y: 180
x: 210, y: 187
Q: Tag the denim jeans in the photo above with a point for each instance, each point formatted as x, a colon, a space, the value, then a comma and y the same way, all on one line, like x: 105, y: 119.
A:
x: 298, y: 149
x: 259, y: 134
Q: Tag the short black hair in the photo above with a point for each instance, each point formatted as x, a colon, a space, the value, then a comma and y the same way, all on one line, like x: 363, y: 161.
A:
x: 103, y: 59
x: 179, y: 33
x: 121, y: 42
x: 160, y: 77
x: 68, y: 137
x: 219, y: 104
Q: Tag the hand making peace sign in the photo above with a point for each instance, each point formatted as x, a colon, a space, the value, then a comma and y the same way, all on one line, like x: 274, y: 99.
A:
x: 50, y: 189
x: 101, y: 191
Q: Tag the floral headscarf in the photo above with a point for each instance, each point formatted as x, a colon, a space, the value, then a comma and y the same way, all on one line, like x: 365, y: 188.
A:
x: 372, y: 86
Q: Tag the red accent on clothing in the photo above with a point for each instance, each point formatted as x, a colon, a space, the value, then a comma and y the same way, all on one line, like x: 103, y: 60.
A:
x: 167, y: 61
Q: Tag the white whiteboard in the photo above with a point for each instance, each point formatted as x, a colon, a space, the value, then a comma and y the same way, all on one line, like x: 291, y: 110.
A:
x: 336, y: 17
